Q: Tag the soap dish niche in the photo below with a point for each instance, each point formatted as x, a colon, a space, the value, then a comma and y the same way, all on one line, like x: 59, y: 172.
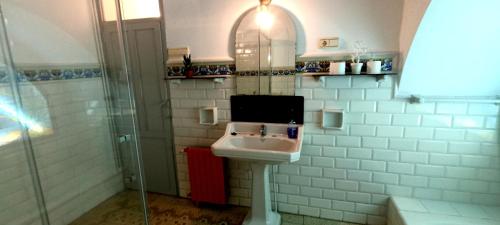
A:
x: 208, y: 116
x: 333, y: 119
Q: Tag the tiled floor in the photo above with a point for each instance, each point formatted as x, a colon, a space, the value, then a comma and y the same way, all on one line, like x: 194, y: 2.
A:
x: 125, y: 209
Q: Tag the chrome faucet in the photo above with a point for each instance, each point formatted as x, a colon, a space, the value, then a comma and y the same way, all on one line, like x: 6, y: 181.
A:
x: 263, y: 130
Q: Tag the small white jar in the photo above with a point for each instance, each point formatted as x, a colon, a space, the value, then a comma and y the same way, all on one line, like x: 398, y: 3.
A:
x: 337, y: 68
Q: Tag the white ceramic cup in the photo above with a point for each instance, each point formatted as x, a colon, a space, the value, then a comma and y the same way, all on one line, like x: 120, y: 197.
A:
x: 356, y: 68
x: 374, y: 67
x: 337, y: 67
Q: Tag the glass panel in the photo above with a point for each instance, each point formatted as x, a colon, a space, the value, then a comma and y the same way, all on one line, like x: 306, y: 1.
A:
x: 131, y: 9
x: 21, y: 201
x: 18, y: 199
x: 65, y: 88
x: 144, y: 45
x: 116, y: 52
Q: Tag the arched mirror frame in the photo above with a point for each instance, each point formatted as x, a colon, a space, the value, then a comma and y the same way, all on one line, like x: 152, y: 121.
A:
x: 265, y: 52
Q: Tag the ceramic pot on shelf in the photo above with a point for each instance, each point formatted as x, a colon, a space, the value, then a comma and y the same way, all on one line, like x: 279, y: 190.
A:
x: 189, y: 73
x: 356, y: 68
x: 374, y: 67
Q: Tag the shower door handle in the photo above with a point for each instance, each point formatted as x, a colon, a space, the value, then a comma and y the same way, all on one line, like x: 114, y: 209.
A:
x: 164, y: 114
x: 163, y: 103
x: 124, y: 138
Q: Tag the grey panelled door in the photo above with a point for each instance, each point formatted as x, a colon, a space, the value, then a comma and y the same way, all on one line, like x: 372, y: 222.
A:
x: 146, y: 52
x: 145, y: 46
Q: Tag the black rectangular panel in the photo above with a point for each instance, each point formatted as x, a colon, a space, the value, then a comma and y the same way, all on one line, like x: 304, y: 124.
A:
x: 267, y: 108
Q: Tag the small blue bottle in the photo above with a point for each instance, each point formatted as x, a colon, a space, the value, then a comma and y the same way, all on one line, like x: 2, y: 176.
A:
x: 292, y: 130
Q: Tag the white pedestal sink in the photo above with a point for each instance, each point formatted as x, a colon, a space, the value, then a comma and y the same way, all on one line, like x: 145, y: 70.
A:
x: 244, y: 141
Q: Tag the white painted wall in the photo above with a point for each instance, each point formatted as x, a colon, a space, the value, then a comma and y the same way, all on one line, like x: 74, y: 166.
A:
x: 51, y: 31
x: 413, y: 11
x: 454, y: 47
x: 60, y: 32
x: 207, y: 26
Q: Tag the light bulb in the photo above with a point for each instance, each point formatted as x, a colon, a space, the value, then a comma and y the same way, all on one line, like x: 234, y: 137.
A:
x: 264, y: 18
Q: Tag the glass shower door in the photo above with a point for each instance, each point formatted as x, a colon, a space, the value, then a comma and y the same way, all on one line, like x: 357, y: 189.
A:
x: 21, y: 199
x: 73, y: 151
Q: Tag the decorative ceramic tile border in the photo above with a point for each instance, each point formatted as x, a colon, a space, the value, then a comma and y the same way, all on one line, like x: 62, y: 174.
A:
x: 200, y: 69
x: 302, y: 65
x: 49, y: 73
x: 281, y: 72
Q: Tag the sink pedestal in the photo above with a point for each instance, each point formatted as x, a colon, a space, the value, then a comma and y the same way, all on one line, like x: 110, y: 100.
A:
x: 261, y: 212
x: 242, y: 141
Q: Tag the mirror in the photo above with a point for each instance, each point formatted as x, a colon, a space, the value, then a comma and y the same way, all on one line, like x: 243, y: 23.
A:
x: 265, y: 52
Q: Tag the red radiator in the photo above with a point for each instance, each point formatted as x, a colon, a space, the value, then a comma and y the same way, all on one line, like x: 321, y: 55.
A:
x: 206, y: 175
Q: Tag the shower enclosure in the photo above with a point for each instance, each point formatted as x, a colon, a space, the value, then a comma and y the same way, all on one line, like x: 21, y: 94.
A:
x: 68, y: 123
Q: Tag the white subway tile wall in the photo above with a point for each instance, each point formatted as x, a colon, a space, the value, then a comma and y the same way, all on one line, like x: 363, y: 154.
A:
x: 188, y: 132
x: 443, y: 151
x: 76, y: 162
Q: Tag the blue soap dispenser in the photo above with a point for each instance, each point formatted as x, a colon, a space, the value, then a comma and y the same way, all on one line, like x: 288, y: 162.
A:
x: 292, y: 130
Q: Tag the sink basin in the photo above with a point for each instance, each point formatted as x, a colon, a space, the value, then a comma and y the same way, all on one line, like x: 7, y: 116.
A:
x: 243, y: 141
x: 266, y: 144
